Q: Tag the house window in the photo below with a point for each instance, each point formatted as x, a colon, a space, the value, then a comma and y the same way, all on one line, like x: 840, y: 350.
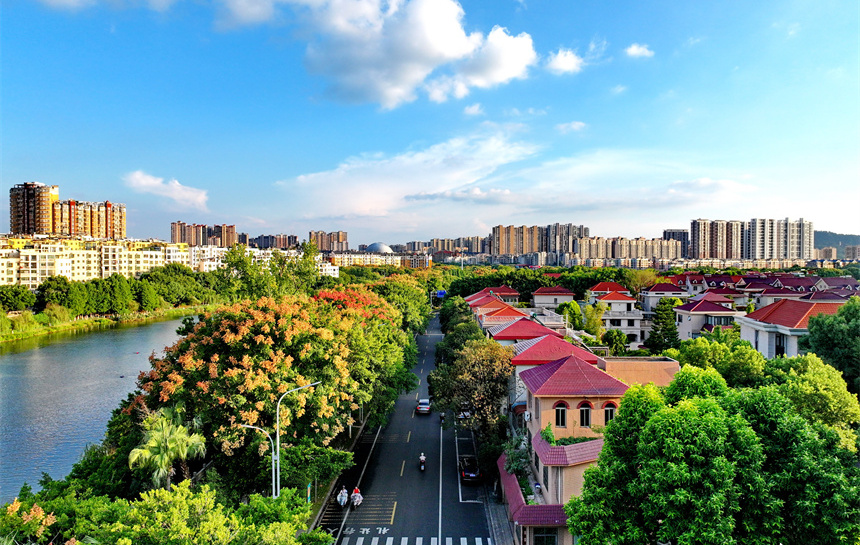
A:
x: 629, y: 307
x: 545, y: 477
x: 629, y: 323
x: 545, y: 536
x: 537, y: 461
x: 615, y: 323
x: 608, y: 412
x: 561, y: 414
x: 585, y: 414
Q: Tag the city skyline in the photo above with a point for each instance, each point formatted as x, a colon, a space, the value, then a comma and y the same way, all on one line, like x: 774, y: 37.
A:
x: 401, y: 121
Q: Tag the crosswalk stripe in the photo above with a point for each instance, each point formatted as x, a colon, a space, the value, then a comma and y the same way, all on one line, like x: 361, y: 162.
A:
x: 464, y: 541
x: 389, y: 541
x: 359, y: 541
x: 345, y: 541
x: 432, y: 541
x: 478, y: 541
x: 449, y: 541
x: 374, y: 541
x: 404, y: 540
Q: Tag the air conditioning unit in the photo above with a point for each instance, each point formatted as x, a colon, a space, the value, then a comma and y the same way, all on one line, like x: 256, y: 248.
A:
x: 527, y: 416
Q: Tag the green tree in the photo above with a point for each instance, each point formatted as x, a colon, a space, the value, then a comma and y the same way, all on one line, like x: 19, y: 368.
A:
x: 147, y: 298
x: 812, y: 481
x: 617, y: 341
x: 456, y: 339
x: 573, y: 313
x: 836, y: 339
x: 54, y: 289
x: 119, y: 296
x: 594, y: 319
x: 477, y: 378
x: 609, y: 510
x: 165, y: 443
x: 16, y: 297
x: 742, y: 366
x: 693, y: 381
x: 664, y: 328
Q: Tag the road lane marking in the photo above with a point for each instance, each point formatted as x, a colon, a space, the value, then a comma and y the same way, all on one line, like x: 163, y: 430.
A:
x: 349, y: 509
x: 374, y: 541
x: 409, y: 436
x: 389, y: 541
x: 393, y: 510
x: 416, y: 396
x: 402, y: 466
x: 420, y: 541
x: 439, y: 530
x: 359, y: 541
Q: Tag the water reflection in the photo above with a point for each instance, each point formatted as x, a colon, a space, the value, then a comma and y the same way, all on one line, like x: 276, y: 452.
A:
x: 57, y: 394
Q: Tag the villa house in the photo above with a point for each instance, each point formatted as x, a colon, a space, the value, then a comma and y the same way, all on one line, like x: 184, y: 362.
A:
x: 519, y: 330
x: 775, y: 330
x: 505, y: 293
x: 572, y: 396
x: 652, y: 295
x: 695, y: 316
x: 552, y: 297
x: 838, y: 282
x: 539, y: 351
x: 604, y: 288
x: 623, y: 315
x: 499, y: 316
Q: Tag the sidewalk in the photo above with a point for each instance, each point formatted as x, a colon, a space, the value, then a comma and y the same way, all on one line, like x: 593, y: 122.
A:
x: 497, y: 516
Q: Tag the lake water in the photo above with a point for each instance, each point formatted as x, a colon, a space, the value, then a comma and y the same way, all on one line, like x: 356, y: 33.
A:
x: 57, y: 394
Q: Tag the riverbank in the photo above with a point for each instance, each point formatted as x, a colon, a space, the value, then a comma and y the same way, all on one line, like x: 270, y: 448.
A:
x: 104, y: 322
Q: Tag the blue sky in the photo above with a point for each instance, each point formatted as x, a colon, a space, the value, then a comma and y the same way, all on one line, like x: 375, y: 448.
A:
x: 410, y: 119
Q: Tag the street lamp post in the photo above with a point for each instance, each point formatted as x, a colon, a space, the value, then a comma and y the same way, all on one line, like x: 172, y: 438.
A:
x: 274, y: 489
x: 278, y: 431
x: 276, y: 447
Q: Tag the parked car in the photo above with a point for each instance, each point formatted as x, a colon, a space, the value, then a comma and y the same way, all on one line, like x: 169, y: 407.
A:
x: 469, y: 470
x: 423, y: 406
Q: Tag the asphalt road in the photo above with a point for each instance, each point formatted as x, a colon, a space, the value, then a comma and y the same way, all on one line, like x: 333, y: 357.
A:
x: 403, y: 505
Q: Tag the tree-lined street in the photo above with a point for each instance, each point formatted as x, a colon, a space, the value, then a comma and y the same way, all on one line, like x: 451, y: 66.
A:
x: 403, y: 505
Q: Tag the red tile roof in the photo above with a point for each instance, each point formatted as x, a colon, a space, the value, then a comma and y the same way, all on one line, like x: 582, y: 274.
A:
x: 545, y: 349
x: 615, y: 296
x: 709, y: 295
x: 490, y: 305
x: 520, y: 330
x: 553, y: 275
x: 607, y: 286
x: 792, y: 313
x: 507, y: 310
x: 725, y: 291
x: 664, y: 287
x: 567, y: 455
x: 528, y: 515
x: 504, y: 290
x: 474, y: 303
x: 555, y: 290
x: 705, y: 307
x: 841, y: 282
x: 571, y: 376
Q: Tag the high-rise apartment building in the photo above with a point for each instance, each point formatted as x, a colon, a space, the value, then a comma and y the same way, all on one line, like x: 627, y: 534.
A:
x: 755, y: 239
x: 682, y: 236
x: 31, y: 208
x: 36, y: 209
x: 555, y: 238
x: 329, y: 242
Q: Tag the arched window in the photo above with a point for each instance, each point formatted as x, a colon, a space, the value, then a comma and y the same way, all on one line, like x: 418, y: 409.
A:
x: 560, y: 414
x: 585, y: 414
x: 608, y: 412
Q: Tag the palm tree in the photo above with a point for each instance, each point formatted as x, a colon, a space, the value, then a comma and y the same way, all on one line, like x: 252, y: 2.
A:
x: 164, y: 443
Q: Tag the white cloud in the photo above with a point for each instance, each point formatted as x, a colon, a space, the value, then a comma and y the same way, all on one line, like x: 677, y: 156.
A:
x: 184, y: 196
x: 499, y: 59
x: 474, y: 109
x: 573, y: 126
x: 639, y: 50
x: 384, y: 51
x: 385, y: 187
x: 565, y: 61
x: 618, y: 89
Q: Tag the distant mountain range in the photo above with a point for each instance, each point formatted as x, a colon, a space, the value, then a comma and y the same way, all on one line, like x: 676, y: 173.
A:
x: 829, y: 239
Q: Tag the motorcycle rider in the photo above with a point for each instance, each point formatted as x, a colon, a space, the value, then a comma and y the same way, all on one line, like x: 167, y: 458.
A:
x: 421, y: 460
